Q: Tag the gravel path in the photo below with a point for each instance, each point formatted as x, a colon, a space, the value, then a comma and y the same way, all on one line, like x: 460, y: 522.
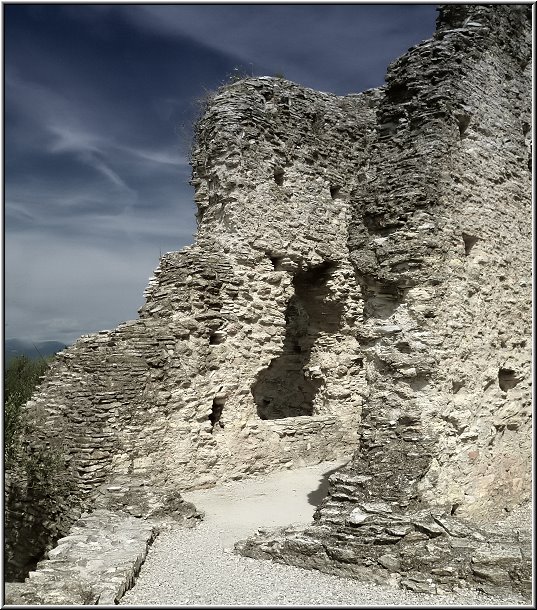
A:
x: 197, y: 566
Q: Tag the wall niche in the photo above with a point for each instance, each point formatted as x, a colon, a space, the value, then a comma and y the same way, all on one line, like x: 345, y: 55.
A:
x: 282, y: 389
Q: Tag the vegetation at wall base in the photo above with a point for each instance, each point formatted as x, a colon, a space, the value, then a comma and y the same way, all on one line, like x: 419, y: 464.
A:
x: 22, y: 376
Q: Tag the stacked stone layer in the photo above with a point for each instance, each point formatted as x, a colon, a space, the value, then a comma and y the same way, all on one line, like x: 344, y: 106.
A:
x: 95, y: 564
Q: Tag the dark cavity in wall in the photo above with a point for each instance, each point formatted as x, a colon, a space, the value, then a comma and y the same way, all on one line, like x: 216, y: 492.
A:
x: 398, y: 92
x: 335, y: 191
x: 456, y: 386
x: 469, y: 242
x: 278, y: 176
x: 282, y: 389
x: 463, y: 120
x: 216, y: 413
x: 507, y: 379
x: 217, y: 337
x: 276, y: 262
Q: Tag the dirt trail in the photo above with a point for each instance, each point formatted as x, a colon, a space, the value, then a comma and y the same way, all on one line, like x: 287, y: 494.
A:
x: 198, y: 567
x: 280, y: 498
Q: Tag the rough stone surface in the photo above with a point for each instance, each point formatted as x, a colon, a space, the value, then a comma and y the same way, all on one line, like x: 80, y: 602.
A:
x: 441, y: 234
x: 423, y: 551
x: 95, y: 564
x: 360, y: 280
x: 244, y: 358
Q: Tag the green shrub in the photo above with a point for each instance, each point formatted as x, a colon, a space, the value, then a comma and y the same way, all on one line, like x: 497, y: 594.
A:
x: 21, y: 377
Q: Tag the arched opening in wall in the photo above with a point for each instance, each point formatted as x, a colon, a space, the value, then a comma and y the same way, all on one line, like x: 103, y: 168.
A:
x: 283, y: 389
x: 278, y: 176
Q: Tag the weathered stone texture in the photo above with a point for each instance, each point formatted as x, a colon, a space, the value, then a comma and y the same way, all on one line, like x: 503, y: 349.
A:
x: 360, y: 281
x: 484, y: 462
x: 245, y: 357
x: 440, y: 241
x: 94, y: 565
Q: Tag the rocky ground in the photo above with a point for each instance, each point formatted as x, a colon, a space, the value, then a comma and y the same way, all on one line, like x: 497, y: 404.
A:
x: 198, y: 566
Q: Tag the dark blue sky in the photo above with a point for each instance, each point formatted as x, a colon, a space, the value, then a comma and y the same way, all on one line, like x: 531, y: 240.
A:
x: 99, y: 105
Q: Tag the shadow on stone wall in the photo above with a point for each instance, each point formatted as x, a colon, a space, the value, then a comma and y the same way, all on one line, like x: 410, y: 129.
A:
x: 282, y: 389
x: 316, y: 496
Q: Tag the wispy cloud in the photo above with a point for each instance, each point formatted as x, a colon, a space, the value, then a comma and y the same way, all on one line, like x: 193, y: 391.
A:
x: 62, y: 130
x: 72, y: 140
x: 67, y: 139
x: 164, y: 156
x: 100, y: 166
x: 345, y: 45
x: 88, y: 148
x: 96, y: 180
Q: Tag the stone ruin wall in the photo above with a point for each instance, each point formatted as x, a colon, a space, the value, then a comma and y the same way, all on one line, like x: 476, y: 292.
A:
x: 441, y: 238
x: 483, y: 464
x: 442, y: 226
x: 376, y: 247
x: 199, y: 388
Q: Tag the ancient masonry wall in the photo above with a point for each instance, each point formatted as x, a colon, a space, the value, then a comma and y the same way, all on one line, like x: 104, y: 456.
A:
x: 360, y: 282
x: 441, y: 243
x: 442, y: 227
x: 245, y: 357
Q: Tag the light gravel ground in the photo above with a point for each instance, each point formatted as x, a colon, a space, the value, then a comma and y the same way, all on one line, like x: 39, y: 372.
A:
x: 197, y: 566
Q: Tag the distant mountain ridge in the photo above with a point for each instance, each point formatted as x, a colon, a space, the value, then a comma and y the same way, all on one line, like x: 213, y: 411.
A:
x: 33, y: 350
